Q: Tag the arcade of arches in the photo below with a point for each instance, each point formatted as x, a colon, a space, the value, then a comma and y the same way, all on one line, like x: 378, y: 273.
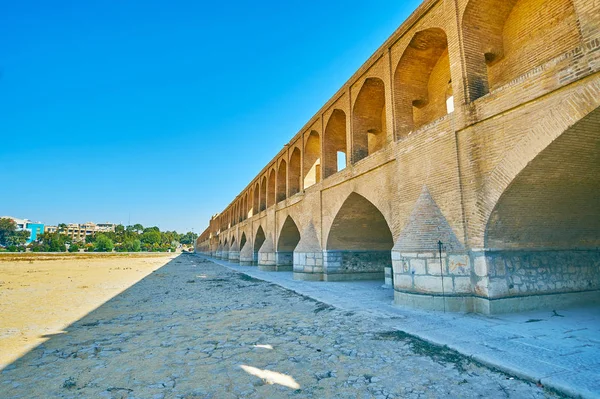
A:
x: 460, y: 166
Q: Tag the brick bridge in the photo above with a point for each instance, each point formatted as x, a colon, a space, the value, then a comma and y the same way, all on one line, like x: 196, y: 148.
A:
x: 477, y: 124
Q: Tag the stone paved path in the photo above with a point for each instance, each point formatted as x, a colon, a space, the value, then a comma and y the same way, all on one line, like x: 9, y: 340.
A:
x: 194, y: 329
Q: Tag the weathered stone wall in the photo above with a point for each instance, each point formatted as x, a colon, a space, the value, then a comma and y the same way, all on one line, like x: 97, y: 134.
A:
x: 355, y: 265
x: 284, y: 258
x: 523, y: 273
x: 308, y: 265
x: 422, y: 273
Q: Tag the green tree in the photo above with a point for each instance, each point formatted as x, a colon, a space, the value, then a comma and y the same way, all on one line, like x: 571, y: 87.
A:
x: 18, y: 238
x: 188, y: 238
x: 52, y: 242
x: 138, y: 228
x: 73, y: 248
x: 151, y: 237
x: 137, y: 245
x: 131, y: 245
x: 119, y: 229
x: 103, y: 243
x: 7, y: 228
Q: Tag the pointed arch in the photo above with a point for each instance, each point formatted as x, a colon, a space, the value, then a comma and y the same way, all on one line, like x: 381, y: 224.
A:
x: 359, y: 225
x: 359, y: 243
x: 504, y: 39
x: 334, y: 142
x: 281, y: 180
x: 547, y: 219
x: 422, y: 81
x: 312, y: 159
x: 243, y: 241
x: 369, y: 129
x: 271, y: 192
x: 553, y: 201
x: 259, y: 239
x: 256, y: 205
x: 289, y: 236
x: 294, y: 172
x: 263, y: 194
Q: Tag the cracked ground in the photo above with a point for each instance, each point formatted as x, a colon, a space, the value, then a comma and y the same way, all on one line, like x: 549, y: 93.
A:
x: 194, y: 329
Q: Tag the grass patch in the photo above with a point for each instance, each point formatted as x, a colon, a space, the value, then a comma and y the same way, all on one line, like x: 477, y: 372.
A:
x: 440, y: 354
x: 245, y: 277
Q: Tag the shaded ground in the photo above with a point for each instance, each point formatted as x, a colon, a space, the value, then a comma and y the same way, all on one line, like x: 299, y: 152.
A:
x: 40, y: 294
x: 194, y: 329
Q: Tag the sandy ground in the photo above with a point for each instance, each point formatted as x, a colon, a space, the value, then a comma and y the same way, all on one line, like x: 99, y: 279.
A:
x: 42, y: 294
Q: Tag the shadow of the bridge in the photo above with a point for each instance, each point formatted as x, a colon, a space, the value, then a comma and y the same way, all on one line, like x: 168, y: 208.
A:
x: 106, y: 351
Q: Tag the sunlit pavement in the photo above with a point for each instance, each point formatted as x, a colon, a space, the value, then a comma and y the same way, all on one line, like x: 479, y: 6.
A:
x: 195, y: 329
x: 561, y: 349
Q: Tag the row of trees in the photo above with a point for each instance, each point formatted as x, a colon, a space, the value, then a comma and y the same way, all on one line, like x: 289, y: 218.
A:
x: 133, y: 238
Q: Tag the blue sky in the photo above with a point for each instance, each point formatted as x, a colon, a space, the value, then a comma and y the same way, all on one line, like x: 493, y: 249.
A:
x: 161, y: 112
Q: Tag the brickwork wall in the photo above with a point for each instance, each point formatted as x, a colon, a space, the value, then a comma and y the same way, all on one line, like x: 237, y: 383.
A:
x: 513, y: 167
x: 525, y: 34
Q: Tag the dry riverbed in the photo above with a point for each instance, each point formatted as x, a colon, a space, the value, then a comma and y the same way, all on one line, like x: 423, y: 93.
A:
x: 42, y: 294
x: 193, y: 329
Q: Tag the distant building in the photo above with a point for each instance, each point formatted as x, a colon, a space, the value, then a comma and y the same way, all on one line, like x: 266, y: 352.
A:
x: 34, y: 228
x: 78, y: 232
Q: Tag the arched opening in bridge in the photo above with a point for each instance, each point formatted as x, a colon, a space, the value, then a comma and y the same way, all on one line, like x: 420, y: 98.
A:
x: 255, y: 208
x: 341, y: 160
x: 289, y: 237
x: 334, y: 143
x: 281, y: 180
x: 545, y: 227
x: 248, y: 204
x: 242, y: 241
x: 271, y: 189
x: 359, y: 243
x: 259, y: 240
x: 312, y: 160
x: 263, y: 193
x: 422, y: 82
x: 506, y: 38
x: 294, y: 178
x: 225, y: 251
x: 369, y: 120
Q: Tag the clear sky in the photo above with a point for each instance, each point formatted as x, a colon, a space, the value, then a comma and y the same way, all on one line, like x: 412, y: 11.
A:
x: 161, y: 112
